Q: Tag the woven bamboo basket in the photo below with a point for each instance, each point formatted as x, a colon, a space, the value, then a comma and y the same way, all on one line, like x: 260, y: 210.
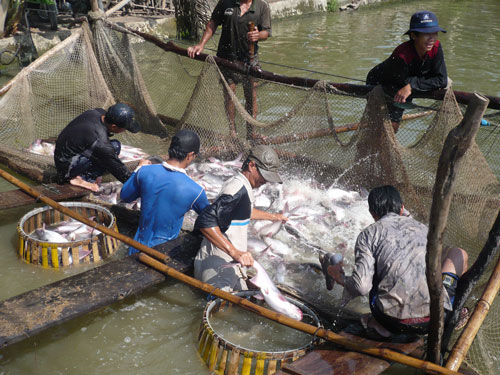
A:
x: 225, y: 357
x: 72, y: 253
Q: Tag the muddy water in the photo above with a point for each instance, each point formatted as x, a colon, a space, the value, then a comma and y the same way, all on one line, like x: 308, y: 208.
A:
x: 156, y: 332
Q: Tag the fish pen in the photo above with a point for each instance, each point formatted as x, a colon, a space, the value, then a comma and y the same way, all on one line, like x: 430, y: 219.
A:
x: 337, y: 135
x: 48, y: 248
x: 227, y: 355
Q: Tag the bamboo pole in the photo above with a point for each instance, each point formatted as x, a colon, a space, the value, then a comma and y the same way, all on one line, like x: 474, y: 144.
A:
x: 117, y: 7
x: 325, y: 132
x: 481, y: 310
x: 456, y: 145
x: 110, y: 232
x: 361, y: 90
x: 384, y: 353
x: 469, y: 279
x: 94, y: 6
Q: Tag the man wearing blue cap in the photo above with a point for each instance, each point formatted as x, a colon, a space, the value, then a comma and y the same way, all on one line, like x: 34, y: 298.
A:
x: 166, y: 192
x: 84, y: 151
x: 416, y: 65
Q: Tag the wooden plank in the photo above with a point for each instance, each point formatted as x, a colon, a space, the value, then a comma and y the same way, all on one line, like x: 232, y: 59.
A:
x: 328, y: 359
x: 18, y: 198
x: 34, y: 311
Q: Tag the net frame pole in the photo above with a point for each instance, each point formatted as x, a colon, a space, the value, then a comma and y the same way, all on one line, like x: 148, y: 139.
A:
x: 455, y: 146
x: 469, y: 279
x: 481, y: 310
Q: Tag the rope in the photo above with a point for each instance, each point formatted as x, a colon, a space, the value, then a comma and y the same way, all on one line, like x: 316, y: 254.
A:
x: 8, y: 51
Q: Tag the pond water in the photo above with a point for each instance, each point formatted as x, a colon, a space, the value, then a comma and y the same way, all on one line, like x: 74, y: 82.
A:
x: 156, y: 332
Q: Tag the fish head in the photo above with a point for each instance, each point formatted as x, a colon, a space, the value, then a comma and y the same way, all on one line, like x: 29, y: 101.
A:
x: 294, y: 312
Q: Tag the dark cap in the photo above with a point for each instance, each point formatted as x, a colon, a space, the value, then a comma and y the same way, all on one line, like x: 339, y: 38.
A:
x: 267, y: 162
x: 122, y: 116
x: 186, y: 141
x: 424, y: 22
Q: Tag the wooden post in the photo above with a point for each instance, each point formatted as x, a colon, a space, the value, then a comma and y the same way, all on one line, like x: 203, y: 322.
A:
x: 250, y: 99
x: 469, y: 279
x: 457, y: 143
x: 469, y: 333
x: 4, y: 7
x: 117, y: 7
x: 94, y: 5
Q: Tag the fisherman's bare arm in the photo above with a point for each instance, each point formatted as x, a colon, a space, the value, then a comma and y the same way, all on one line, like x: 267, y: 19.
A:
x: 215, y: 236
x: 198, y: 48
x: 263, y: 215
x: 402, y: 94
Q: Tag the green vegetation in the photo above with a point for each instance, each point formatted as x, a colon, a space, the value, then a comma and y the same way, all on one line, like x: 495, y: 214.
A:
x: 332, y: 6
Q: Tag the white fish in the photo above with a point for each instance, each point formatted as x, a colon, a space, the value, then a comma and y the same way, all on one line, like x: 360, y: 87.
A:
x: 130, y: 153
x: 49, y: 236
x: 64, y: 226
x: 272, y: 295
x: 269, y: 230
x: 42, y: 148
x: 277, y: 246
x: 256, y: 245
x: 262, y: 200
x: 337, y: 194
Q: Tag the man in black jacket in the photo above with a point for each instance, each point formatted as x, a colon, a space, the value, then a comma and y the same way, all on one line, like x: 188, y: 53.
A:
x: 416, y: 65
x: 84, y: 151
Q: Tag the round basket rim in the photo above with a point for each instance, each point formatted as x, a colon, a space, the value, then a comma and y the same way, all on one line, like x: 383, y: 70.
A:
x: 38, y: 210
x: 248, y: 293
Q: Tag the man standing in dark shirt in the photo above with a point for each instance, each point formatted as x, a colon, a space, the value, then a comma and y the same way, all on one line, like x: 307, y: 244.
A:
x: 235, y: 42
x: 84, y: 151
x: 416, y: 65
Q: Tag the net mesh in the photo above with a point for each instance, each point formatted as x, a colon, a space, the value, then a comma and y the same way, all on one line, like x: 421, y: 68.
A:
x: 320, y: 133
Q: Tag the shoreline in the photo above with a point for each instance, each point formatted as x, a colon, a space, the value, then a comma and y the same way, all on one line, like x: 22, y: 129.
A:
x: 44, y: 38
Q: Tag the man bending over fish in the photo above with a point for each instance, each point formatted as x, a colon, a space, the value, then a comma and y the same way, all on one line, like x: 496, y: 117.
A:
x: 84, y: 152
x: 390, y: 267
x: 166, y: 192
x: 224, y: 224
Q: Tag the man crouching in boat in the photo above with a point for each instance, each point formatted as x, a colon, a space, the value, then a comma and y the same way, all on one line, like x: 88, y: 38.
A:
x: 84, y: 152
x: 390, y: 266
x: 224, y: 224
x: 166, y: 192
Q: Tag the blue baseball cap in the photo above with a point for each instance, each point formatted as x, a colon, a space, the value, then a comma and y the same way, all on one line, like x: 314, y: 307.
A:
x: 424, y: 22
x: 122, y: 116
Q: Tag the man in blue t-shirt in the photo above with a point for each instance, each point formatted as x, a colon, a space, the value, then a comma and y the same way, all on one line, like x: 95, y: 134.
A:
x: 166, y: 192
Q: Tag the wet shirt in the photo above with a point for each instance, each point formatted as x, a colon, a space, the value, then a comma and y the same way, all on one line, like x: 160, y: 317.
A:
x: 233, y: 43
x: 166, y: 193
x: 87, y: 135
x: 231, y: 212
x: 390, y: 258
x: 405, y: 66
